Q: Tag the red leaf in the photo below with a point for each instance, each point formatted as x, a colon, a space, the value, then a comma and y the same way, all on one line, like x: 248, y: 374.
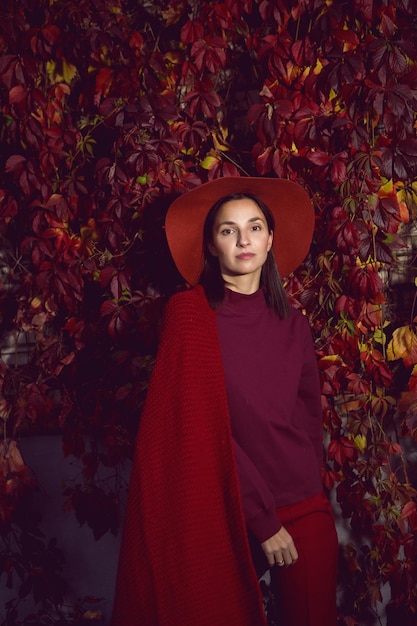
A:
x: 318, y: 157
x: 409, y: 509
x: 341, y: 449
x: 136, y: 41
x: 108, y: 308
x: 345, y: 233
x: 103, y: 83
x: 8, y: 206
x: 412, y: 383
x: 394, y: 449
x: 192, y: 31
x: 370, y: 317
x: 376, y: 367
x: 264, y: 161
x: 106, y: 274
x: 51, y: 33
x: 115, y: 326
x: 408, y: 518
x: 350, y: 306
x: 17, y: 94
x: 365, y: 281
x: 365, y: 7
x: 123, y: 392
x: 15, y: 164
x: 202, y: 101
x: 209, y: 54
x: 346, y: 35
x: 338, y: 170
x: 330, y: 477
x: 305, y: 128
x: 9, y: 66
x: 388, y: 26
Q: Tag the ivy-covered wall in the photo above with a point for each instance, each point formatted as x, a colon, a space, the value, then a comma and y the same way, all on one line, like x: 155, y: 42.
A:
x: 110, y: 108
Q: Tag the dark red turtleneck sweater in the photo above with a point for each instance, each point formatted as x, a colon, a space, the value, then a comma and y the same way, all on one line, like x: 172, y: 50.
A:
x: 273, y: 393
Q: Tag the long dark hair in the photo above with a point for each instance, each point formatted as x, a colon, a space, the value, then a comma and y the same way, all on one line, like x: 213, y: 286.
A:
x: 211, y: 278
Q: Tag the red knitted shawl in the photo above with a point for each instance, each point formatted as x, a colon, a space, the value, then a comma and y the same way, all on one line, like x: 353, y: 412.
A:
x: 184, y: 558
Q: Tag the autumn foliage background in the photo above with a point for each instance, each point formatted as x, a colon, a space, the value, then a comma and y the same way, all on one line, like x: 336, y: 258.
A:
x: 109, y: 109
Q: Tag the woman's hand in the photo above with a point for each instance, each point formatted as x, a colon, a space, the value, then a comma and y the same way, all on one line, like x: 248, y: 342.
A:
x: 280, y: 549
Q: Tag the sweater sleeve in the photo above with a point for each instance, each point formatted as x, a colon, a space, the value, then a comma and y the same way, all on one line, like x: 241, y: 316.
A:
x: 257, y: 500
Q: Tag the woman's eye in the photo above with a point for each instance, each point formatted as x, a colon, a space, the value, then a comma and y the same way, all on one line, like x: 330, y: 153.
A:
x: 256, y: 227
x: 226, y: 231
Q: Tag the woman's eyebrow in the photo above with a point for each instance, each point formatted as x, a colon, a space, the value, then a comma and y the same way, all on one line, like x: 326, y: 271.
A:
x: 231, y: 223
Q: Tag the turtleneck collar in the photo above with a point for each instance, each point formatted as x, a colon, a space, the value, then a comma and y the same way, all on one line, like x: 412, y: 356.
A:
x: 237, y: 303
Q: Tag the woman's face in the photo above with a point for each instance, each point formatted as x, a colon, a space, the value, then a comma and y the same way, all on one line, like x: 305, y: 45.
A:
x: 241, y: 239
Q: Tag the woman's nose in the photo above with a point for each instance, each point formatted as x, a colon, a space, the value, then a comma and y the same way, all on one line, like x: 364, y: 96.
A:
x: 243, y: 239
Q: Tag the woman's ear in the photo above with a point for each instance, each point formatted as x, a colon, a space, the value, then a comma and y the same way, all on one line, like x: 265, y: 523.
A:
x: 270, y: 240
x: 212, y: 249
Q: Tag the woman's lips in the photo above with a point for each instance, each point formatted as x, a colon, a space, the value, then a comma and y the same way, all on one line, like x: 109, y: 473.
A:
x: 245, y: 255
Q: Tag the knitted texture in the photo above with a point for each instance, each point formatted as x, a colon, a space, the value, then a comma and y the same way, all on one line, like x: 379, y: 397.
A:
x: 184, y: 558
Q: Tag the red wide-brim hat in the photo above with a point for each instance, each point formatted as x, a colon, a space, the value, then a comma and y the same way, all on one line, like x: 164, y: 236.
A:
x: 288, y: 202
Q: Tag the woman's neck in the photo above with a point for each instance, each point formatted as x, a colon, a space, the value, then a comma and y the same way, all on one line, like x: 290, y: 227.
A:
x: 247, y: 284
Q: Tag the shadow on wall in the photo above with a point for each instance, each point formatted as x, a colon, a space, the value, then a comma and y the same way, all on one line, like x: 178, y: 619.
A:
x: 90, y: 565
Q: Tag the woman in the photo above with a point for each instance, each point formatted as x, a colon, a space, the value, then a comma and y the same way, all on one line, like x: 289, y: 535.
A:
x: 229, y: 449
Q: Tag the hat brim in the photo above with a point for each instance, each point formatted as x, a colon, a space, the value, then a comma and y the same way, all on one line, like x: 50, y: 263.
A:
x: 288, y: 202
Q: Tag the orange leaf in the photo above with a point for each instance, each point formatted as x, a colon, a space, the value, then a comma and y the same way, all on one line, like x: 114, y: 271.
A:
x: 408, y: 518
x: 14, y: 457
x: 403, y: 345
x: 104, y: 81
x: 408, y: 509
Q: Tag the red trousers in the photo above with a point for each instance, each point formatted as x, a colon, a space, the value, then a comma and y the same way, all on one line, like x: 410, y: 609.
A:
x: 306, y: 591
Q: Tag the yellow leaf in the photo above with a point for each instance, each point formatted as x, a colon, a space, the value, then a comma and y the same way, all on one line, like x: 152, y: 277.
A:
x: 403, y: 345
x: 35, y: 303
x: 220, y: 139
x: 332, y: 358
x: 64, y: 73
x: 68, y: 71
x: 405, y: 191
x: 93, y: 616
x: 380, y: 336
x: 50, y: 70
x: 407, y: 198
x: 173, y: 57
x: 318, y: 67
x: 360, y: 442
x: 209, y: 162
x: 387, y: 188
